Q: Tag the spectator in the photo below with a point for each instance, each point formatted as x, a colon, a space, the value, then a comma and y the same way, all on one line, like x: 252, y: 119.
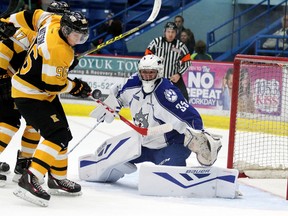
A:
x: 118, y: 47
x: 187, y: 37
x: 200, y: 52
x: 103, y: 29
x: 175, y: 54
x: 179, y: 21
x: 271, y: 43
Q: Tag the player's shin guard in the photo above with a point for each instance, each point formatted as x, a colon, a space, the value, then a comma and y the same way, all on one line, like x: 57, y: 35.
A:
x: 30, y: 140
x: 57, y: 182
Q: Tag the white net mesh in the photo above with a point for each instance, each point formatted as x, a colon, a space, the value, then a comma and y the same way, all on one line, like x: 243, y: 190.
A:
x: 261, y: 126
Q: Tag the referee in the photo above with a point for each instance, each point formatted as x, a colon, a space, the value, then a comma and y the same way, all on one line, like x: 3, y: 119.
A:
x: 175, y: 55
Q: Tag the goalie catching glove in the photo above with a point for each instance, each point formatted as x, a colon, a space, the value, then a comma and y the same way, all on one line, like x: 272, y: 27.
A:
x: 205, y: 145
x: 81, y: 89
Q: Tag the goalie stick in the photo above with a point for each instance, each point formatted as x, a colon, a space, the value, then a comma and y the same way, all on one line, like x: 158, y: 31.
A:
x: 152, y: 17
x: 143, y: 131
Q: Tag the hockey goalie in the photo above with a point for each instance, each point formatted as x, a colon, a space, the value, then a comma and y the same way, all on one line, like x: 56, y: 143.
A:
x: 153, y: 101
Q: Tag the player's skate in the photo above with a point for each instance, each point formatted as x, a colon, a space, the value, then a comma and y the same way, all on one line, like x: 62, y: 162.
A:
x: 64, y: 187
x: 30, y: 190
x: 21, y: 164
x: 3, y: 179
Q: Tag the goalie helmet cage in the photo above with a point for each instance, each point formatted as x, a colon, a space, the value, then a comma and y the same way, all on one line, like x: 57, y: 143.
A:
x: 258, y: 134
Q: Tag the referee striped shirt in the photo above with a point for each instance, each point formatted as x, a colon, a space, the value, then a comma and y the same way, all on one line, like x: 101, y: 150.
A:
x: 175, y: 55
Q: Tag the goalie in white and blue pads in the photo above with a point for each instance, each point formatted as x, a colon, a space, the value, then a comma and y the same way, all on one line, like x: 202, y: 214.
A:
x: 153, y: 100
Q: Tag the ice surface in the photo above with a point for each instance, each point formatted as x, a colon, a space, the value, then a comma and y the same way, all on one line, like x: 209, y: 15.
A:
x: 122, y: 198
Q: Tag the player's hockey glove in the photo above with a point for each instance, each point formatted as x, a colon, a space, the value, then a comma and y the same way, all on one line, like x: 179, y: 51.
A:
x: 81, y: 89
x: 7, y: 30
x: 74, y: 64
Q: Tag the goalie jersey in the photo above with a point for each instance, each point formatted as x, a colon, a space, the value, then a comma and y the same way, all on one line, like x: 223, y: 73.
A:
x: 44, y: 73
x: 165, y: 104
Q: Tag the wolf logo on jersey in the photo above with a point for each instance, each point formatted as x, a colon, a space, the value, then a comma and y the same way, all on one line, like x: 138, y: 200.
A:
x: 141, y: 119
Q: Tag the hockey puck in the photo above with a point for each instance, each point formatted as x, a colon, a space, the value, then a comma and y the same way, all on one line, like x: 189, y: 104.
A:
x: 96, y: 94
x: 4, y: 167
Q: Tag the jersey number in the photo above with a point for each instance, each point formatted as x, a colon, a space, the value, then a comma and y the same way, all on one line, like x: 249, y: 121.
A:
x: 182, y: 105
x: 28, y: 63
x: 60, y: 71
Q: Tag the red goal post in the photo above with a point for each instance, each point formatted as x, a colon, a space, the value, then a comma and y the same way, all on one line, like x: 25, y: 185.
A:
x: 258, y: 134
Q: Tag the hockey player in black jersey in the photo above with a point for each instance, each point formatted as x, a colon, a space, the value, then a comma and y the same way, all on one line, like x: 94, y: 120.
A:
x: 12, y: 58
x: 35, y: 89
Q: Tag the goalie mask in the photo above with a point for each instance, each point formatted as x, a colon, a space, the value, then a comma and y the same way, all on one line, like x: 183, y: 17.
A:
x: 150, y: 70
x: 74, y: 27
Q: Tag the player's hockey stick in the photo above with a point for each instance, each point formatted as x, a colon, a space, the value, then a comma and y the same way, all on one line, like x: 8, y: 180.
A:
x: 11, y: 8
x: 160, y: 129
x: 143, y: 131
x: 80, y: 141
x: 152, y: 17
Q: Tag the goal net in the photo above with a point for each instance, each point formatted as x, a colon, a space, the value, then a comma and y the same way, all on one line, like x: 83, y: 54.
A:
x: 258, y: 135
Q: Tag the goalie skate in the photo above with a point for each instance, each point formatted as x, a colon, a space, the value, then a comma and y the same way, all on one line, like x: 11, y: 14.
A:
x: 64, y: 187
x: 30, y: 190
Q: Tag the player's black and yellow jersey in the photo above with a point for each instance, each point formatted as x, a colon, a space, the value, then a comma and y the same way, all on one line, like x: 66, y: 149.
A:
x: 44, y: 73
x: 12, y: 55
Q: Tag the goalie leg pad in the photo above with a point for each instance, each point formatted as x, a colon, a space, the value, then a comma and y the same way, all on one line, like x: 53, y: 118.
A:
x: 178, y: 181
x: 110, y: 161
x: 118, y: 172
x: 204, y: 145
